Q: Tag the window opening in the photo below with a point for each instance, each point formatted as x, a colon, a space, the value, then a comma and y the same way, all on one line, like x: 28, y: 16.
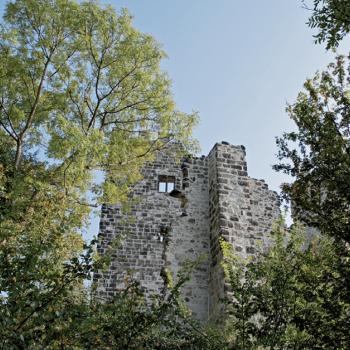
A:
x: 166, y: 183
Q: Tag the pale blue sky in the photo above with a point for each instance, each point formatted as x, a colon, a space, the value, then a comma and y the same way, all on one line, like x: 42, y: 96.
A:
x: 237, y: 63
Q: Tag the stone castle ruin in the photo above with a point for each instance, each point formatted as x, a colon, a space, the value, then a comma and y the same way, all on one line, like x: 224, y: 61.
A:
x: 184, y: 209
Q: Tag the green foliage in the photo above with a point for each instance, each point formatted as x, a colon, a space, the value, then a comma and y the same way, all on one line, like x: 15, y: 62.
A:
x: 290, y: 297
x: 81, y: 91
x: 317, y: 154
x: 331, y: 18
x: 83, y: 88
x: 127, y: 321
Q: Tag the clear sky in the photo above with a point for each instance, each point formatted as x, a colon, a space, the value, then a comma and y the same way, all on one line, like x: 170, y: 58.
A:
x: 237, y: 63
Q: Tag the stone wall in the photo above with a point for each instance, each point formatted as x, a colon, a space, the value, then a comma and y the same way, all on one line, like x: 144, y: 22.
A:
x: 189, y: 239
x: 242, y: 211
x: 213, y: 198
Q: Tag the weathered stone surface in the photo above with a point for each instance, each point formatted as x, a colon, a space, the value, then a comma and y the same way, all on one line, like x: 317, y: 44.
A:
x: 213, y: 198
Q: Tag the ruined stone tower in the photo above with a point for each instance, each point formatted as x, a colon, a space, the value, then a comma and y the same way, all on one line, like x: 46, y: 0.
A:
x: 182, y: 211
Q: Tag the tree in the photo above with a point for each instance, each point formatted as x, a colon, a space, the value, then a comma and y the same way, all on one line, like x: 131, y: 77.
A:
x: 125, y: 322
x: 331, y: 18
x: 82, y: 87
x: 317, y: 155
x: 290, y: 297
x: 81, y: 91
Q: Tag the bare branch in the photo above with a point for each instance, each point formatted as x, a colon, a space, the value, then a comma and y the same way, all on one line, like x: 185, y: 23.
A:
x: 8, y: 131
x: 81, y: 115
x: 114, y: 87
x: 124, y: 108
x: 12, y: 133
x: 31, y: 115
x: 60, y: 66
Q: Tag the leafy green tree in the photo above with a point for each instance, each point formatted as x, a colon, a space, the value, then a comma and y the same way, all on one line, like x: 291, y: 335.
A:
x: 317, y: 154
x: 82, y: 87
x: 127, y: 321
x: 331, y: 18
x: 290, y: 297
x: 81, y: 91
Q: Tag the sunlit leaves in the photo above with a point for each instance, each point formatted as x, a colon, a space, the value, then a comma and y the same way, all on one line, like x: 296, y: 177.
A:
x: 318, y: 153
x: 81, y: 93
x: 331, y: 18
